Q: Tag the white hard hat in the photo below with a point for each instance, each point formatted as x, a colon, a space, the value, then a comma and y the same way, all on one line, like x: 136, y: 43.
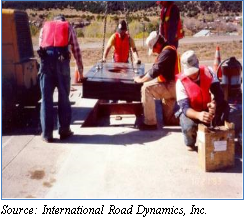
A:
x: 189, y: 62
x: 151, y: 41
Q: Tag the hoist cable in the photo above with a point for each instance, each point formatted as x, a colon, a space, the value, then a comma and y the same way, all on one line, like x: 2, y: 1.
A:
x: 104, y: 30
x: 130, y: 52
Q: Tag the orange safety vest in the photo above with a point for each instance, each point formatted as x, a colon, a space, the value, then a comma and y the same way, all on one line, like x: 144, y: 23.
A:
x: 177, y: 63
x: 121, y: 48
x: 55, y: 34
x: 165, y: 24
x: 199, y: 96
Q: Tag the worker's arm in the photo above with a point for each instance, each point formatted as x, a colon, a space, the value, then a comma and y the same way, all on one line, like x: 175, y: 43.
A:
x: 109, y: 45
x: 76, y: 50
x: 184, y: 104
x: 136, y: 56
x: 164, y: 65
x: 134, y: 52
x: 142, y: 79
x: 106, y: 51
x: 203, y: 116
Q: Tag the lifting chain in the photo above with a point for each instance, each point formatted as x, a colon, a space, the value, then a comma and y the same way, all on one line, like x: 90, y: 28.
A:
x: 126, y: 20
x: 104, y: 30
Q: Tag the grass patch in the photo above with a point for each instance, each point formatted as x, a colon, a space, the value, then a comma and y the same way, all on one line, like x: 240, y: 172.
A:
x: 34, y: 30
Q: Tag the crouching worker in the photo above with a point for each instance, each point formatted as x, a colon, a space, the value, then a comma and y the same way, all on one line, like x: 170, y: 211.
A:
x: 57, y: 37
x: 159, y: 81
x: 199, y: 98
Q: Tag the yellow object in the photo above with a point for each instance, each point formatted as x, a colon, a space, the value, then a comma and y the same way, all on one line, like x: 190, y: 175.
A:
x: 19, y: 67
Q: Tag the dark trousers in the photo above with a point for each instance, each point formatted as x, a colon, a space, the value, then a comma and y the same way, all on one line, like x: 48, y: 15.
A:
x: 55, y: 72
x: 189, y: 129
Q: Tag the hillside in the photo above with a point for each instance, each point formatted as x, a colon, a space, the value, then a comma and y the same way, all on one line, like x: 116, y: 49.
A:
x: 188, y: 8
x: 143, y: 17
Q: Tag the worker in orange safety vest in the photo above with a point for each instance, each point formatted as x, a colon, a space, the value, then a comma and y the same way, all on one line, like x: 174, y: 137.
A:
x: 159, y: 82
x: 200, y: 98
x: 57, y: 40
x: 170, y: 23
x: 122, y: 43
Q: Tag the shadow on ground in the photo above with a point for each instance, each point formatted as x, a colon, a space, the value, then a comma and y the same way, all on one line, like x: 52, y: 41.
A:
x: 124, y: 138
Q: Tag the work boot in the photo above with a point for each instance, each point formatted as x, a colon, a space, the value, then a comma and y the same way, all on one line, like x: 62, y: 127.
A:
x: 65, y: 135
x: 192, y: 148
x: 47, y: 140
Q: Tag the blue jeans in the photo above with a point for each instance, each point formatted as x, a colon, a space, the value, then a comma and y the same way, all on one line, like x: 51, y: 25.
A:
x: 54, y: 73
x: 189, y: 129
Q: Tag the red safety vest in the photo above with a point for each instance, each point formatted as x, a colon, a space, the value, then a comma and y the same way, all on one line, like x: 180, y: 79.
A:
x: 177, y: 63
x: 121, y: 48
x: 165, y: 24
x: 55, y: 34
x: 199, y: 96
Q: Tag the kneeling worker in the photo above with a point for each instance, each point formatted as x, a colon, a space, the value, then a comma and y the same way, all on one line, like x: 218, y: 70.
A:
x: 159, y: 81
x: 199, y: 98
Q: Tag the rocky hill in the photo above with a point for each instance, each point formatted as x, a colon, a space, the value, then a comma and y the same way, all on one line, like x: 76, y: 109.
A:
x: 188, y: 8
x: 87, y: 16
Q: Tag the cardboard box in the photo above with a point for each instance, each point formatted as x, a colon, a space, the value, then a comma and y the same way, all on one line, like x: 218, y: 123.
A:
x: 216, y: 147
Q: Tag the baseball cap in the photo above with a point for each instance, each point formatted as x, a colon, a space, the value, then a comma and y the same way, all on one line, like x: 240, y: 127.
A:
x: 151, y: 41
x: 122, y: 26
x: 189, y: 62
x: 59, y: 17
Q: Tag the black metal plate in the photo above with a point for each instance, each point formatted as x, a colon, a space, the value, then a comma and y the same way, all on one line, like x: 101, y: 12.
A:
x: 115, y: 81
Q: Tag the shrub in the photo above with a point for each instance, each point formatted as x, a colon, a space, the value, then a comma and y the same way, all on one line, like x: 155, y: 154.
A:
x: 95, y: 30
x: 141, y: 35
x: 146, y: 19
x: 34, y: 30
x: 135, y: 27
x: 99, y: 17
x: 79, y: 33
x: 152, y: 26
x: 115, y: 18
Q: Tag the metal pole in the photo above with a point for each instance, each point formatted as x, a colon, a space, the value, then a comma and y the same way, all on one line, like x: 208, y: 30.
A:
x: 143, y: 26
